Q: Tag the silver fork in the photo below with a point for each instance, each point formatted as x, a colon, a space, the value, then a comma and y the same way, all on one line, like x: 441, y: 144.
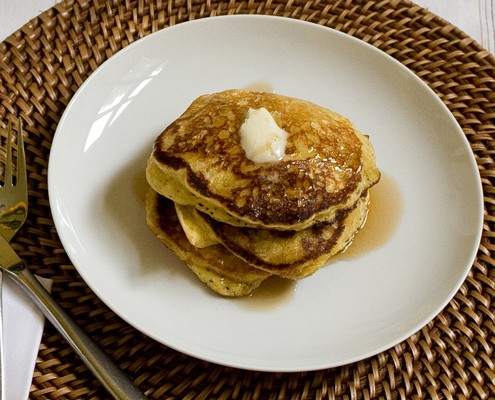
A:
x: 13, y: 197
x: 13, y: 212
x: 109, y: 374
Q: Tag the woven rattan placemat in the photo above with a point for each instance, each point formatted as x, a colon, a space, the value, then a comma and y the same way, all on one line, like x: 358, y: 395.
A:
x: 44, y: 63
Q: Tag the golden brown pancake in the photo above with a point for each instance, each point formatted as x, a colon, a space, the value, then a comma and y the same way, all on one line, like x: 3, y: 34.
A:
x: 196, y: 228
x: 235, y: 221
x: 289, y: 254
x: 292, y: 254
x: 198, y: 161
x: 218, y: 268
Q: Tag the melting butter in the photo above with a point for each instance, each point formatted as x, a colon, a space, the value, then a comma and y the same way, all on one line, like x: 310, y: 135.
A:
x: 261, y: 138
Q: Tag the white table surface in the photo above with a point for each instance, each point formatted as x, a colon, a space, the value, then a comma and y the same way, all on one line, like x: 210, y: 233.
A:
x: 475, y: 17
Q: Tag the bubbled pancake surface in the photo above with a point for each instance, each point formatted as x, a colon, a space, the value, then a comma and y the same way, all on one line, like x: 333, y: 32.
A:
x: 198, y: 160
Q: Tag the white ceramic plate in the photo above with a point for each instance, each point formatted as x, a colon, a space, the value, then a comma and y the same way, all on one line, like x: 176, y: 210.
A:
x: 427, y: 216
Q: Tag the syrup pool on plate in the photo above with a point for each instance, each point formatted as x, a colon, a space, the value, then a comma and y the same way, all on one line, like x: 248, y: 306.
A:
x: 384, y: 213
x: 260, y: 86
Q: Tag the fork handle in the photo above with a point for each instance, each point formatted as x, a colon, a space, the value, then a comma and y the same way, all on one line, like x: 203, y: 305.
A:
x: 107, y: 372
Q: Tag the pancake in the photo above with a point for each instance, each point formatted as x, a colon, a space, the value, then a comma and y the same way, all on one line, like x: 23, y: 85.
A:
x: 288, y: 254
x: 197, y: 230
x: 214, y: 265
x: 245, y: 185
x: 198, y: 161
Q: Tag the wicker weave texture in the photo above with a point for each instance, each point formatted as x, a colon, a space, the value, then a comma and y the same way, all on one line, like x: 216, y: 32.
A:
x: 43, y: 64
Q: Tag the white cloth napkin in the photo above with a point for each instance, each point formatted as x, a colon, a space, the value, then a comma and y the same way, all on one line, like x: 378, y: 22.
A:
x: 22, y: 329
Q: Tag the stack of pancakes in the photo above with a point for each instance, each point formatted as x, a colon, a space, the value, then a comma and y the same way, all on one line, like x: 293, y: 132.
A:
x: 234, y: 221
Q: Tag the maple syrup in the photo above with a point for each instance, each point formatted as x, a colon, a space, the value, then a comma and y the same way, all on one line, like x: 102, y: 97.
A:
x: 384, y: 213
x: 272, y: 293
x: 260, y: 86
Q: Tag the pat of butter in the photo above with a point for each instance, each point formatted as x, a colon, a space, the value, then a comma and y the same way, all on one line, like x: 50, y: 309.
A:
x: 261, y: 138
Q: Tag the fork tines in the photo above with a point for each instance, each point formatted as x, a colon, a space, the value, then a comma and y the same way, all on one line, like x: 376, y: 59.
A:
x: 20, y: 164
